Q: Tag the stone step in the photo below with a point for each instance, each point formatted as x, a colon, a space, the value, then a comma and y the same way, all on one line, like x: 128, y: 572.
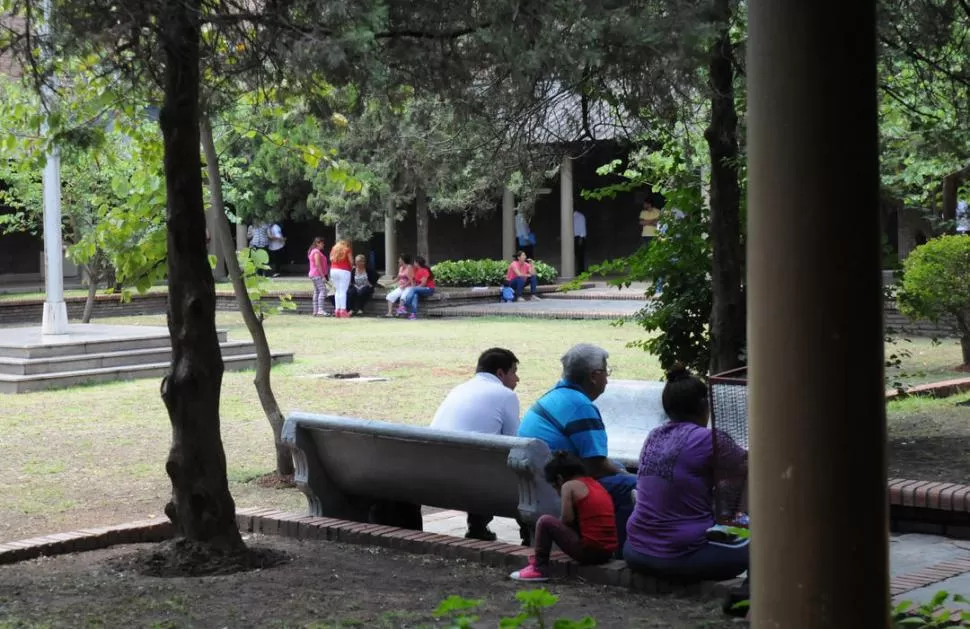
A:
x: 84, y: 362
x: 153, y: 338
x: 40, y: 382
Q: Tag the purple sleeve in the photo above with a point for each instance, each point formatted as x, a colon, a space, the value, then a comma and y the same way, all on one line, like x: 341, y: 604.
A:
x: 729, y: 456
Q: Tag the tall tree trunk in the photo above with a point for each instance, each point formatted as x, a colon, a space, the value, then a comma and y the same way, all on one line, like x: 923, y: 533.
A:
x: 264, y: 360
x: 89, y: 270
x: 201, y: 507
x: 728, y: 312
x: 421, y: 220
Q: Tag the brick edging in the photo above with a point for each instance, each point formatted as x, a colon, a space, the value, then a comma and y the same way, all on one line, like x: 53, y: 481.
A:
x: 932, y: 508
x: 143, y: 531
x: 944, y: 388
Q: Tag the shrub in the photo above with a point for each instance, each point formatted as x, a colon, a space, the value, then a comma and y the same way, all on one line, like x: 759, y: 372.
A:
x: 936, y: 284
x: 483, y: 272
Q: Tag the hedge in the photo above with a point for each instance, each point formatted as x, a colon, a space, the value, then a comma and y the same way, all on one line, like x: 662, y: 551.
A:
x: 483, y: 272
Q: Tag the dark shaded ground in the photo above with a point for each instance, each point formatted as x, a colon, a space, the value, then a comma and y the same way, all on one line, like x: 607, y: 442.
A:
x: 930, y: 440
x: 325, y: 585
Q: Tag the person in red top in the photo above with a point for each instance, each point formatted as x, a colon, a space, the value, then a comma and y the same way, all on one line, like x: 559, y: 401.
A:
x: 423, y: 286
x: 341, y: 261
x: 520, y: 273
x: 586, y: 531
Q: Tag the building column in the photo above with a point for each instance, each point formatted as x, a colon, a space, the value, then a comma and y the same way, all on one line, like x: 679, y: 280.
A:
x: 567, y: 265
x: 817, y: 409
x: 54, y: 318
x: 508, y: 225
x: 390, y: 244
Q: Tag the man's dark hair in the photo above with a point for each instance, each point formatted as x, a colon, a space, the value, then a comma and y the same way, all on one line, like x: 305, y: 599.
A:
x: 564, y: 464
x: 494, y: 359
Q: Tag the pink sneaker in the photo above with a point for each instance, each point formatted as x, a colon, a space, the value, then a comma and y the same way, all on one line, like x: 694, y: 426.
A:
x: 401, y: 312
x: 529, y: 573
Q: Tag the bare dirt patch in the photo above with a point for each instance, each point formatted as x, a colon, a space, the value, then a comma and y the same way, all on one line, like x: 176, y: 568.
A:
x: 325, y: 585
x: 929, y: 439
x: 185, y: 558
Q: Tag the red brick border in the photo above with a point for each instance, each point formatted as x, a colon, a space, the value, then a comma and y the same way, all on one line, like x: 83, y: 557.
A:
x: 944, y: 388
x: 85, y: 539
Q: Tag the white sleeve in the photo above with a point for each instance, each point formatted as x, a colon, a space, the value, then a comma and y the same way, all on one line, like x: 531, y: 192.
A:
x: 510, y: 416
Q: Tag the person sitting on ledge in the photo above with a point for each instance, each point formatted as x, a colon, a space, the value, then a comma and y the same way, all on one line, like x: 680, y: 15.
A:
x: 586, y: 530
x: 521, y: 272
x: 672, y: 532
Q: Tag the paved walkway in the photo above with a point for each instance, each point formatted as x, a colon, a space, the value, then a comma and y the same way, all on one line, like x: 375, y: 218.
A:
x: 546, y: 309
x: 921, y: 565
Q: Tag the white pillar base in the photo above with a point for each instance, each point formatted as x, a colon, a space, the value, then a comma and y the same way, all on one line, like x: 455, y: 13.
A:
x: 55, y: 318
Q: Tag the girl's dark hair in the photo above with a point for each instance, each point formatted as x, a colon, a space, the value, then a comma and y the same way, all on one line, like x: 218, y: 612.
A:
x: 424, y: 265
x: 316, y: 241
x: 685, y: 395
x: 564, y: 464
x: 518, y: 254
x: 406, y: 258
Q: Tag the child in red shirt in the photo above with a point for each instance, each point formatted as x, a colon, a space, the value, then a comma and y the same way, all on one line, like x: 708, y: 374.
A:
x: 586, y: 530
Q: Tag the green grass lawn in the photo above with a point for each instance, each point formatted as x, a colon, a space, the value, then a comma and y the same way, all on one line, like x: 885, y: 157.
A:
x: 95, y: 455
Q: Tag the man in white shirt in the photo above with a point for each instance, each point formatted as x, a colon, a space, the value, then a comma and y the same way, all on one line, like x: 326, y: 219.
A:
x: 579, y: 238
x: 485, y: 404
x: 276, y: 244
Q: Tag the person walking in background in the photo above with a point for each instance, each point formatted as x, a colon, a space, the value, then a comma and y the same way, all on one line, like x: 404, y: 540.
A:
x: 318, y: 275
x: 579, y: 238
x: 341, y: 261
x: 423, y: 286
x: 361, y: 286
x: 277, y: 249
x: 649, y: 217
x: 258, y: 234
x: 523, y: 234
x: 405, y: 278
x: 520, y: 273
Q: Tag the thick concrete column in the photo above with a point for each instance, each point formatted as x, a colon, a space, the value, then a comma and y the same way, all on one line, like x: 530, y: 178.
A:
x: 508, y: 225
x: 567, y: 267
x: 54, y: 317
x: 817, y: 408
x: 390, y: 244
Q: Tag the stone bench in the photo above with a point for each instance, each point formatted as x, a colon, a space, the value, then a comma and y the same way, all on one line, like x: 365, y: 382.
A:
x: 345, y: 466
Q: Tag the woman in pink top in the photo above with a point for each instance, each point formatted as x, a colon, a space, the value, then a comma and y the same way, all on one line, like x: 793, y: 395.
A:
x: 318, y: 275
x: 405, y: 279
x: 520, y: 273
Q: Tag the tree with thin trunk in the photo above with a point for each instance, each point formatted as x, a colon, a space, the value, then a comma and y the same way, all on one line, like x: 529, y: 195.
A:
x: 264, y: 359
